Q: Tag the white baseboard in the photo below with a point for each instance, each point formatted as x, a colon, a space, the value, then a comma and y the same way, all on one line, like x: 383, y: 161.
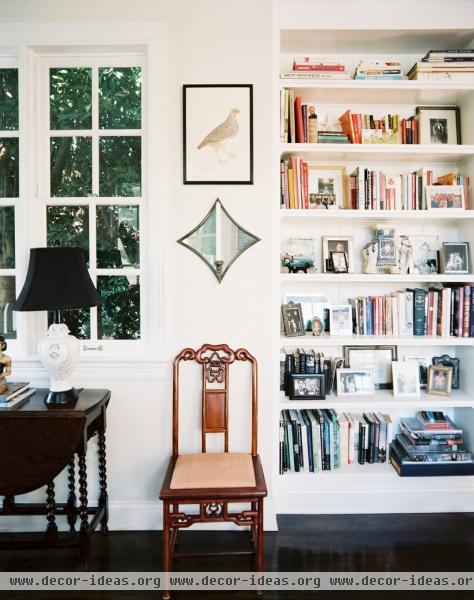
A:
x: 376, y: 502
x: 126, y: 516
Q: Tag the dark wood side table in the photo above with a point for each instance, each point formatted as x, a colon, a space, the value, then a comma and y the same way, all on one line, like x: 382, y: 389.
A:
x: 36, y: 443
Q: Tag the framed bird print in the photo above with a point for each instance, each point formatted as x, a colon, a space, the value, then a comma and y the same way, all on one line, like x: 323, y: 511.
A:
x: 218, y: 134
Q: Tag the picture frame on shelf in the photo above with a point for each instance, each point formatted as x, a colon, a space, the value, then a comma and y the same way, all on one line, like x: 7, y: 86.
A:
x: 439, y: 124
x: 354, y: 382
x: 297, y: 254
x: 455, y: 258
x: 307, y: 386
x: 377, y: 358
x: 406, y: 379
x: 313, y: 306
x: 326, y: 187
x: 339, y: 262
x: 423, y: 363
x: 445, y: 197
x: 218, y: 134
x: 317, y: 326
x: 340, y: 320
x: 439, y: 380
x: 425, y: 254
x: 340, y: 243
x: 292, y: 317
x: 449, y: 361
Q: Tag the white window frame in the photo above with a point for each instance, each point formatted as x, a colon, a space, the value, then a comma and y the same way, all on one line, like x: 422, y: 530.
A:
x: 35, y: 45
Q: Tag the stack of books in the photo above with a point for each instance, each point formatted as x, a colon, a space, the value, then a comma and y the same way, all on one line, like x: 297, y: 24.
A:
x: 314, y: 68
x: 316, y: 440
x: 390, y: 129
x: 15, y: 395
x: 379, y: 69
x: 430, y: 444
x: 332, y: 137
x: 443, y: 311
x: 444, y: 64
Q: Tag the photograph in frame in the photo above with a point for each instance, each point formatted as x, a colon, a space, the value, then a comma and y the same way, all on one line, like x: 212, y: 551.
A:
x: 326, y: 187
x: 439, y: 380
x: 406, y: 379
x: 340, y: 316
x: 445, y: 197
x: 354, y: 382
x: 425, y: 254
x: 307, y: 387
x: 376, y: 358
x: 439, y: 124
x: 423, y: 363
x: 218, y: 134
x: 341, y: 243
x: 455, y: 258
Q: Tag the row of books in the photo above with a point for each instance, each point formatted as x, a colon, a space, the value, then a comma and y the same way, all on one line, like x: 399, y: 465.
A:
x: 298, y: 120
x: 444, y: 64
x: 307, y: 361
x: 430, y: 444
x: 390, y: 129
x: 379, y: 70
x: 444, y: 311
x: 313, y: 440
x: 15, y: 395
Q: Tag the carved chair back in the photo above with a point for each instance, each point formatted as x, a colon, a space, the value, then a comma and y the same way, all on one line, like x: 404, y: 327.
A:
x: 214, y: 361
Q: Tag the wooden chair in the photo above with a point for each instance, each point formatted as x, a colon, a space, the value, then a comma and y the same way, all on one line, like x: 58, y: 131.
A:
x: 212, y: 481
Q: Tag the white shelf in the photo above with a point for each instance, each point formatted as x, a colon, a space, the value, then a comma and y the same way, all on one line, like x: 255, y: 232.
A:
x: 355, y: 468
x: 353, y: 91
x: 313, y: 341
x: 373, y: 277
x: 384, y: 399
x: 426, y: 153
x: 423, y: 216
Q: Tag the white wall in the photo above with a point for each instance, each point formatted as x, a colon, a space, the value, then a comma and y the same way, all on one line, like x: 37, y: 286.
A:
x: 210, y: 41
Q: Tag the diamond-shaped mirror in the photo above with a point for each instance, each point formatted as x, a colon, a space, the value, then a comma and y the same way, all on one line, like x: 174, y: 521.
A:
x: 218, y: 240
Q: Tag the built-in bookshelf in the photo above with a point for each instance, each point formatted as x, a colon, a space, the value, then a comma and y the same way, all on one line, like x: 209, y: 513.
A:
x: 373, y: 487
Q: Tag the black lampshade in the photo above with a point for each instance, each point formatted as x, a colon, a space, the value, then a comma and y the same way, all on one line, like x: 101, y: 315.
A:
x: 57, y: 279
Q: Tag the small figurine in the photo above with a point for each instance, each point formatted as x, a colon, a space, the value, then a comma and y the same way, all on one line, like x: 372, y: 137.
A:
x: 5, y: 365
x: 388, y: 251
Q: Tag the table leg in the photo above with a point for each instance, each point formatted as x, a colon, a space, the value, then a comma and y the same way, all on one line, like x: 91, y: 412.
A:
x: 103, y: 498
x: 71, y: 500
x: 52, y: 528
x: 84, y: 533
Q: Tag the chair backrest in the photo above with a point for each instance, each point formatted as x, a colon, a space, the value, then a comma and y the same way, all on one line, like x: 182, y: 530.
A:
x: 215, y: 361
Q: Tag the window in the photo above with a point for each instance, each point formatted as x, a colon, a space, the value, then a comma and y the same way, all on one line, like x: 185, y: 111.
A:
x: 91, y: 184
x: 9, y: 192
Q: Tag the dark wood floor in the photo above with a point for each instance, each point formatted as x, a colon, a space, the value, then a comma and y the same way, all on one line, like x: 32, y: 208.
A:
x: 425, y: 542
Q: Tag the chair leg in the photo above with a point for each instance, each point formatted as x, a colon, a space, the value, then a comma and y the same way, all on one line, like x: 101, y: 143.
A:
x: 166, y: 548
x: 259, y: 541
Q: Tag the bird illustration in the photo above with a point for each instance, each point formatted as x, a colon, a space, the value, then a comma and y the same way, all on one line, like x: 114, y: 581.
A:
x: 220, y: 135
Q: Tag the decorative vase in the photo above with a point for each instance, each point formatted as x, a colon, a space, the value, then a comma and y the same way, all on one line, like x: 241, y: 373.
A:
x: 387, y: 251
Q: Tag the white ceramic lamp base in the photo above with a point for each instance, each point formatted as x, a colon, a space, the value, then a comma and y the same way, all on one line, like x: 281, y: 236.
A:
x: 59, y: 353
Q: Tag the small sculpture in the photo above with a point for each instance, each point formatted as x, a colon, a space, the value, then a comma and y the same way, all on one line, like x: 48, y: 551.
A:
x: 5, y: 365
x: 387, y: 251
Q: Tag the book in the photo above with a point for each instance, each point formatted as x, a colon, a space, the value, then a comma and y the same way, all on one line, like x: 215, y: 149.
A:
x: 13, y: 389
x: 18, y: 400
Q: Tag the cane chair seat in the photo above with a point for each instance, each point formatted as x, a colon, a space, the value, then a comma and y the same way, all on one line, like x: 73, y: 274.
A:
x: 213, y: 470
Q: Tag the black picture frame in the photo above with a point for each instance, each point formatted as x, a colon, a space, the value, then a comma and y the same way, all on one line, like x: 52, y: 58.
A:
x: 420, y: 109
x: 307, y: 386
x: 450, y: 267
x: 220, y: 118
x: 449, y: 361
x: 378, y: 383
x: 337, y: 269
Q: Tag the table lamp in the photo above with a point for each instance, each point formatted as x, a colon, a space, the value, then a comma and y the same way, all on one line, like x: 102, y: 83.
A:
x: 58, y: 279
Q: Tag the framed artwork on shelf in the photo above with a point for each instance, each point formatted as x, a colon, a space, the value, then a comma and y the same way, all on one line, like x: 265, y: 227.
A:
x: 354, y: 382
x: 376, y: 358
x: 313, y: 306
x: 449, y: 361
x: 326, y: 187
x: 406, y: 379
x: 307, y: 387
x: 455, y: 258
x: 439, y: 124
x: 439, y: 380
x: 339, y: 262
x: 340, y: 319
x: 292, y: 316
x: 422, y: 363
x: 297, y: 254
x: 425, y: 254
x: 338, y: 244
x: 218, y: 134
x: 445, y: 197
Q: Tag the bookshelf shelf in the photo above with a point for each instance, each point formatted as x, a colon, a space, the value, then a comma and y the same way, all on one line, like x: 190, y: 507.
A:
x: 385, y: 399
x: 424, y: 216
x: 354, y: 91
x: 373, y: 277
x: 312, y: 341
x: 425, y: 153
